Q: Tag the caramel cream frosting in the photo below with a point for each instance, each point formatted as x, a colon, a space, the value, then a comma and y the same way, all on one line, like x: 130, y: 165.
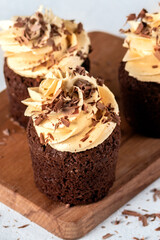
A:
x: 143, y: 43
x: 72, y: 111
x: 35, y: 44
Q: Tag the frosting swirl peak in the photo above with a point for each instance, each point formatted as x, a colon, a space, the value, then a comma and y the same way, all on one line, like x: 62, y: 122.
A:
x: 71, y: 112
x: 42, y: 41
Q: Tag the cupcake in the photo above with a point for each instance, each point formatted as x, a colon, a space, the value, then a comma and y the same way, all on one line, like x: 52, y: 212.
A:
x: 33, y: 45
x: 74, y: 136
x: 139, y: 73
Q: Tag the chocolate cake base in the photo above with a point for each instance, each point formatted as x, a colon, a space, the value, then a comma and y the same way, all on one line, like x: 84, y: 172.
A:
x: 141, y: 103
x: 17, y: 91
x: 74, y: 178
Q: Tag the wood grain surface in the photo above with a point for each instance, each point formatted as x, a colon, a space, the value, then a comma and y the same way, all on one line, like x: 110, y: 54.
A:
x: 138, y: 163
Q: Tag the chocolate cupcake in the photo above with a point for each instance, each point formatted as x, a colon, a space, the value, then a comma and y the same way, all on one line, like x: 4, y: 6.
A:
x: 33, y: 45
x: 74, y: 136
x: 139, y: 73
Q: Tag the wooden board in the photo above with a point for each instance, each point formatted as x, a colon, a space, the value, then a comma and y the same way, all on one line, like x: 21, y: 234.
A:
x: 138, y: 164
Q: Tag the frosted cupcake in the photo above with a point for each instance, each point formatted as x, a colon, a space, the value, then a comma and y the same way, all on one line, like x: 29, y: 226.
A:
x: 74, y: 136
x: 33, y: 45
x: 139, y: 73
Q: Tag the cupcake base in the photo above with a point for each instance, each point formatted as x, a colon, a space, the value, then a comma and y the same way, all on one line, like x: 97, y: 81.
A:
x: 141, y: 103
x: 74, y: 178
x: 17, y: 91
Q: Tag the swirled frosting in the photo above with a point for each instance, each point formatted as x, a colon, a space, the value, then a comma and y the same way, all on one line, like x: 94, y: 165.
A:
x: 35, y: 44
x: 143, y: 43
x: 71, y: 111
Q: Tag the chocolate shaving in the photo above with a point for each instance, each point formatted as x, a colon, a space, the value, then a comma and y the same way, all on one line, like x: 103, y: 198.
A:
x: 157, y: 54
x: 24, y: 226
x: 154, y: 66
x: 108, y: 235
x: 80, y: 70
x: 142, y: 13
x: 38, y: 79
x: 40, y: 119
x: 85, y: 138
x: 131, y: 17
x: 58, y: 105
x: 131, y: 213
x: 100, y: 81
x: 86, y: 87
x: 144, y: 220
x: 50, y: 136
x: 79, y: 28
x: 157, y: 229
x: 42, y: 140
x: 156, y: 194
x: 72, y: 49
x: 67, y: 32
x: 141, y: 217
x: 65, y: 121
x: 84, y: 108
x: 139, y: 28
x: 124, y: 31
x: 81, y: 55
x: 19, y: 23
x: 100, y: 106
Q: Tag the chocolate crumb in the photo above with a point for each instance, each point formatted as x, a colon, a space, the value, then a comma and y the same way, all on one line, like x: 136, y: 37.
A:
x: 157, y: 229
x: 6, y: 226
x: 103, y: 227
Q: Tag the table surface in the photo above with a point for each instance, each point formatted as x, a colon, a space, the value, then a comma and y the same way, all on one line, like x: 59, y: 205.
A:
x: 14, y: 226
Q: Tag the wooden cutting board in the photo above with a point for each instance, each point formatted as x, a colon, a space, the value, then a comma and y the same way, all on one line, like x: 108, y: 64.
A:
x: 138, y: 164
